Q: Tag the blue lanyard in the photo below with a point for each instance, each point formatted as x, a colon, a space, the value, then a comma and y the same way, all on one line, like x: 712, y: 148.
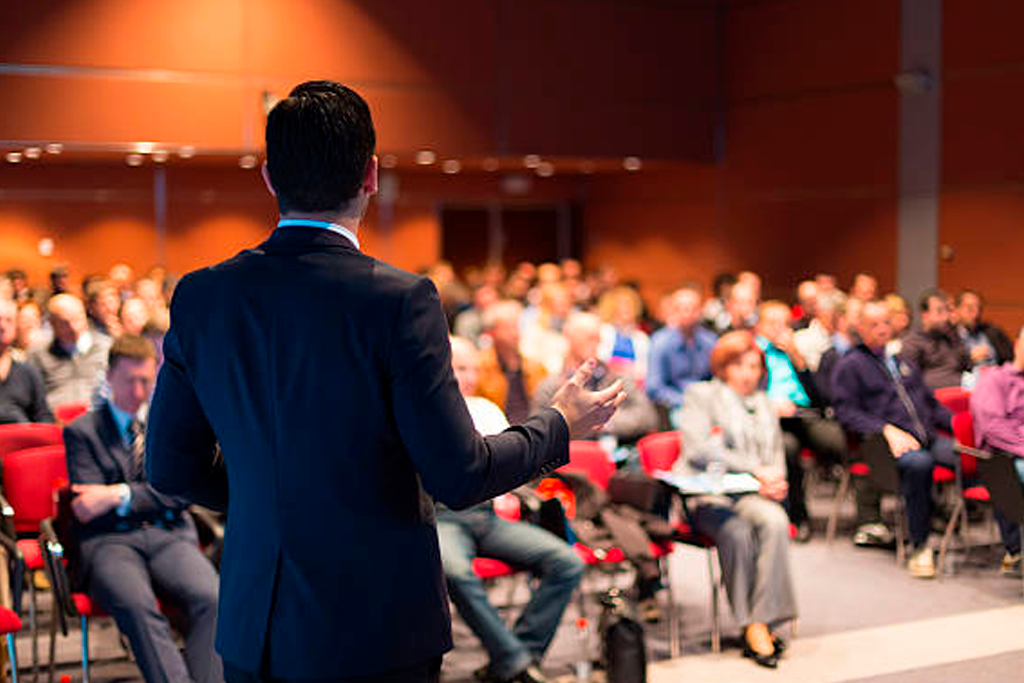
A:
x: 333, y: 227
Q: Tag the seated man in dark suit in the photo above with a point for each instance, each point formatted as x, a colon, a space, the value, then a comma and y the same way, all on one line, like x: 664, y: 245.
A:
x: 137, y: 543
x: 22, y: 396
x: 515, y: 653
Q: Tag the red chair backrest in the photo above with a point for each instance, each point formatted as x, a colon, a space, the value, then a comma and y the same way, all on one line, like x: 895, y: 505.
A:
x: 963, y: 431
x: 19, y: 436
x: 30, y: 478
x: 955, y: 399
x: 66, y: 412
x: 591, y: 460
x: 659, y: 451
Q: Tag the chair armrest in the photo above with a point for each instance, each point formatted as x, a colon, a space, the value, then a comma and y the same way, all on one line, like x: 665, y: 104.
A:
x: 968, y: 450
x: 53, y: 562
x: 6, y: 518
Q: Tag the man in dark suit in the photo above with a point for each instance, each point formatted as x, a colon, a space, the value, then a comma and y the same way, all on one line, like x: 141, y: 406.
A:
x: 137, y: 543
x: 325, y: 377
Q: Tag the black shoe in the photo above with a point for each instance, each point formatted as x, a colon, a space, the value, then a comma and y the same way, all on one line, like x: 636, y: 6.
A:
x: 780, y: 645
x: 769, y: 661
x: 803, y: 532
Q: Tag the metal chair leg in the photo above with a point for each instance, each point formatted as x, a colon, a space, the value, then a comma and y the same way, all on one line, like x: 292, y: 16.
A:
x: 833, y: 518
x: 12, y: 655
x: 673, y: 614
x: 33, y: 624
x: 948, y: 535
x: 85, y: 650
x: 900, y: 520
x: 716, y: 623
x: 53, y: 640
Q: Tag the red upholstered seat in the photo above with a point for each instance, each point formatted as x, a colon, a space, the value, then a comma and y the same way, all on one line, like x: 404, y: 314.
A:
x: 943, y: 475
x: 30, y: 477
x: 591, y: 556
x: 955, y: 399
x: 490, y: 568
x: 33, y: 555
x: 860, y: 469
x: 67, y: 412
x: 19, y: 436
x: 592, y: 461
x: 659, y: 451
x: 9, y: 621
x: 977, y: 493
x: 86, y: 607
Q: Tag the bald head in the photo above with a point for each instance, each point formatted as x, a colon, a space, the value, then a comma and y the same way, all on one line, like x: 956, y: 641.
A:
x: 67, y: 318
x: 582, y: 332
x: 874, y: 325
x: 465, y: 365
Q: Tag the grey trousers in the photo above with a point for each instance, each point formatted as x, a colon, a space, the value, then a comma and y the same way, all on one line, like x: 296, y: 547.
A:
x: 752, y: 535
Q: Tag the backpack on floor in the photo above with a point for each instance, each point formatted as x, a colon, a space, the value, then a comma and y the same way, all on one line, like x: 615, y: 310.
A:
x: 622, y: 641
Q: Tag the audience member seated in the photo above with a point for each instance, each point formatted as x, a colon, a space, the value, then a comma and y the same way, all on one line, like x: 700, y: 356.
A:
x: 792, y: 391
x: 741, y: 307
x: 986, y: 344
x: 22, y: 396
x: 134, y: 316
x: 469, y: 324
x: 900, y: 313
x: 752, y: 280
x: 715, y: 316
x: 865, y: 287
x: 680, y: 351
x: 997, y: 404
x: 751, y: 530
x: 874, y: 393
x: 635, y: 417
x: 30, y: 329
x: 102, y: 304
x: 807, y: 302
x: 827, y: 286
x: 935, y: 348
x: 844, y: 338
x: 542, y: 333
x: 507, y: 378
x: 624, y: 346
x: 515, y: 654
x: 74, y: 362
x: 817, y: 336
x: 135, y: 542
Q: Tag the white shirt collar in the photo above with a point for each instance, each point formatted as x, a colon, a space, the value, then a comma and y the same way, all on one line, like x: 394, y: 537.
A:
x: 324, y: 225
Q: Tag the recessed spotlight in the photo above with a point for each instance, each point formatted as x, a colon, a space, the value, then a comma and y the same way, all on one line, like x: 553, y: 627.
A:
x: 14, y: 157
x: 451, y: 166
x: 144, y: 147
x: 531, y: 160
x: 54, y: 148
x: 33, y: 152
x: 490, y: 164
x: 133, y: 160
x: 186, y: 151
x: 388, y: 161
x: 425, y: 157
x: 160, y: 156
x: 247, y: 161
x: 632, y: 163
x: 545, y: 169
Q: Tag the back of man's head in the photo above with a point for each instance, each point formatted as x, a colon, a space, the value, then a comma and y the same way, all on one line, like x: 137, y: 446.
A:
x: 320, y: 141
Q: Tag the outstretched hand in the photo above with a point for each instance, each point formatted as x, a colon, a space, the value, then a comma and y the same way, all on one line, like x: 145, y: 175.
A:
x: 586, y: 411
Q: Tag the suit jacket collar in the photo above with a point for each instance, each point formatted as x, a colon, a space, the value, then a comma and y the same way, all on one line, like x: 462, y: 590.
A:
x: 111, y: 437
x: 300, y: 238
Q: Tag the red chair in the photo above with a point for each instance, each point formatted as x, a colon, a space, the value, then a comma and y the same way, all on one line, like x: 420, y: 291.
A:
x: 591, y: 460
x: 30, y: 476
x: 10, y: 621
x: 955, y: 399
x: 963, y: 431
x: 67, y: 412
x: 658, y: 453
x: 18, y: 436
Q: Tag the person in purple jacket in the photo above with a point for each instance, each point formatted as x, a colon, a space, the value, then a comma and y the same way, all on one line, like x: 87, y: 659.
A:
x: 876, y: 393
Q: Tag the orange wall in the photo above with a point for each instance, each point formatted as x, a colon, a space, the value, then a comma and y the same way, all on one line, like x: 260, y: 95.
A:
x: 464, y: 77
x: 982, y: 207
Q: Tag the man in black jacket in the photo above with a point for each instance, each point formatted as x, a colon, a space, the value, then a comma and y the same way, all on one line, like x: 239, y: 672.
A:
x: 986, y: 343
x: 325, y: 377
x: 875, y: 393
x: 134, y: 541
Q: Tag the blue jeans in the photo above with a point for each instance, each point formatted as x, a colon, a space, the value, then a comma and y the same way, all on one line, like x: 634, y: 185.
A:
x: 915, y: 470
x: 1010, y: 531
x: 465, y: 534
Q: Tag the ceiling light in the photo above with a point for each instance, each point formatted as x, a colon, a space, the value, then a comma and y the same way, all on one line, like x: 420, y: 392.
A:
x: 425, y: 157
x: 388, y: 161
x: 186, y: 151
x: 632, y: 163
x: 545, y: 169
x: 133, y: 160
x: 14, y: 157
x: 144, y: 147
x: 33, y: 152
x: 247, y: 161
x: 160, y: 156
x: 531, y: 161
x: 451, y: 166
x: 54, y: 148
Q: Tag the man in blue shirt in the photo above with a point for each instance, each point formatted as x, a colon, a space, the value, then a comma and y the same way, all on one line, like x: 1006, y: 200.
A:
x: 792, y: 390
x: 680, y: 351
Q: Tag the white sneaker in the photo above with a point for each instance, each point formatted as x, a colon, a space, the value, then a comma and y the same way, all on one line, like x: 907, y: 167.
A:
x: 921, y: 564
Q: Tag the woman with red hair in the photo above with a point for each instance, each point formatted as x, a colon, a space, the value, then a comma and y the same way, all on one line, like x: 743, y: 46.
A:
x: 730, y: 420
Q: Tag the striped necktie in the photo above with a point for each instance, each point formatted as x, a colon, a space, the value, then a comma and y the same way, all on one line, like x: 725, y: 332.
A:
x: 137, y: 446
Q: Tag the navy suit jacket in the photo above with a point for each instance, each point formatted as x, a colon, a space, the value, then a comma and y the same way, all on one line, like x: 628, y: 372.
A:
x: 325, y: 377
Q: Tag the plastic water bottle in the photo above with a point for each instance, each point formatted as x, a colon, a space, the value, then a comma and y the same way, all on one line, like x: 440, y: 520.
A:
x: 584, y: 664
x: 716, y: 467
